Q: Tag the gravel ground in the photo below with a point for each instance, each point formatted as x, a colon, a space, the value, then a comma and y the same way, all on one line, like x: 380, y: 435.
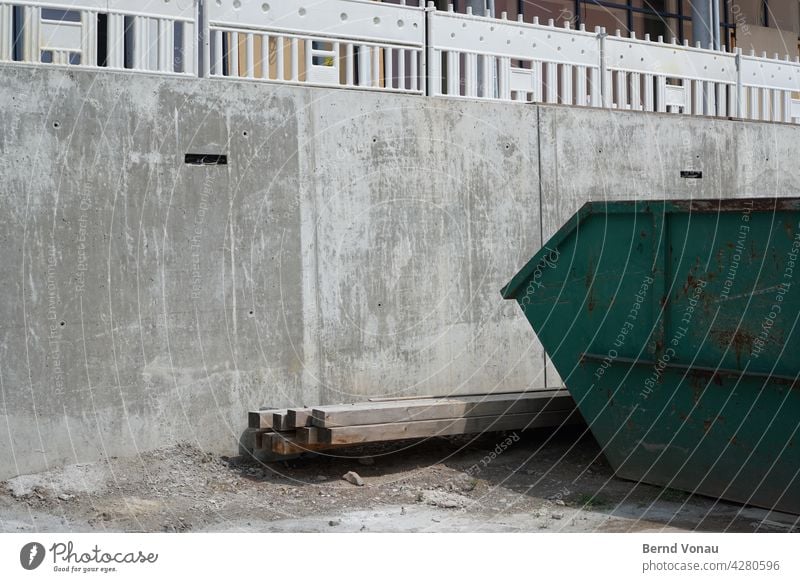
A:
x: 539, y: 481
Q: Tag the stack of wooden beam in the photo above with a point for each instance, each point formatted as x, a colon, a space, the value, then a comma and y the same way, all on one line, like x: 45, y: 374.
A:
x: 296, y: 430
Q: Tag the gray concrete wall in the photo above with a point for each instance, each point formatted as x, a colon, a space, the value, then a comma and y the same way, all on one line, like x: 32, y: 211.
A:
x: 354, y: 245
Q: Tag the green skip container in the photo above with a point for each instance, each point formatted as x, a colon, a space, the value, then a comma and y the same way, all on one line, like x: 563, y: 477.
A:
x: 675, y: 325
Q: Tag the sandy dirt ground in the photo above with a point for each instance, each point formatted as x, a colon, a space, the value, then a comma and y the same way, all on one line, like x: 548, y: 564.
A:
x: 540, y: 482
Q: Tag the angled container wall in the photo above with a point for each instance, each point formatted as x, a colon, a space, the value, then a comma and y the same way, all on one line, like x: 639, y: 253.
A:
x: 675, y: 327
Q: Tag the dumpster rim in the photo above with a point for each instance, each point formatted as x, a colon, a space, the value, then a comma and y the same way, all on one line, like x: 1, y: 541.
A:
x: 700, y: 205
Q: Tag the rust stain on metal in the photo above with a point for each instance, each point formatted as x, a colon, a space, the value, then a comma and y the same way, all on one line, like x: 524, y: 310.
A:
x: 734, y: 205
x: 740, y: 340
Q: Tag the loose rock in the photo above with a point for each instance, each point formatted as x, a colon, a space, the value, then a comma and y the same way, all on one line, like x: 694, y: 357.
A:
x: 354, y: 478
x: 443, y: 499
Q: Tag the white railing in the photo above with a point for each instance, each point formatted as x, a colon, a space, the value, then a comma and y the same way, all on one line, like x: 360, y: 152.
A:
x: 478, y: 57
x: 654, y: 76
x: 488, y: 58
x: 401, y: 48
x: 766, y: 88
x: 135, y: 35
x: 343, y: 43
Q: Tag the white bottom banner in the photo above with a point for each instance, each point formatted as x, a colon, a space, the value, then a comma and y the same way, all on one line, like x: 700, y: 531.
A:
x: 349, y: 557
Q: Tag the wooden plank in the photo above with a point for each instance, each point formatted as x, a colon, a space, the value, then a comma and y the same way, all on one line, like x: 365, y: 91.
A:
x: 259, y: 439
x: 298, y: 417
x: 452, y: 426
x: 287, y: 444
x: 262, y: 418
x: 281, y: 445
x: 442, y: 408
x: 250, y: 439
x: 399, y: 398
x: 280, y: 420
x: 427, y: 401
x: 308, y: 435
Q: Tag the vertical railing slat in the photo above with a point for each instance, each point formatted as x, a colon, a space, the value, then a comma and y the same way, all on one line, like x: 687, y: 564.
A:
x: 414, y: 73
x: 364, y: 66
x: 376, y: 66
x: 309, y: 60
x: 337, y: 61
x: 752, y: 103
x: 765, y: 94
x: 161, y: 49
x: 538, y: 81
x: 776, y: 114
x: 218, y: 53
x: 453, y: 73
x: 116, y: 41
x: 786, y: 102
x: 503, y: 78
x: 608, y: 89
x: 661, y: 94
x: 6, y: 32
x: 265, y: 56
x: 280, y: 56
x: 565, y: 89
x: 580, y: 86
x: 635, y: 92
x: 31, y: 38
x: 595, y: 88
x: 487, y: 88
x: 551, y: 80
x: 732, y: 101
x: 189, y: 55
x: 471, y: 75
x: 388, y: 67
x: 648, y: 104
x: 89, y: 38
x: 295, y: 59
x: 722, y: 99
x: 233, y: 54
x: 697, y: 98
x: 709, y: 98
x: 349, y: 64
x: 621, y: 89
x: 401, y: 70
x: 249, y: 56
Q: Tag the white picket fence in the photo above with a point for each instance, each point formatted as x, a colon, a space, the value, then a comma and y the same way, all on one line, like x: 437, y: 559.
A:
x: 343, y: 43
x: 400, y: 48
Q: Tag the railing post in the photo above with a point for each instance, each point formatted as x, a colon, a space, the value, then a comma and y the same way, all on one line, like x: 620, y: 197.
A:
x: 739, y: 87
x: 203, y: 40
x: 605, y: 86
x: 430, y: 68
